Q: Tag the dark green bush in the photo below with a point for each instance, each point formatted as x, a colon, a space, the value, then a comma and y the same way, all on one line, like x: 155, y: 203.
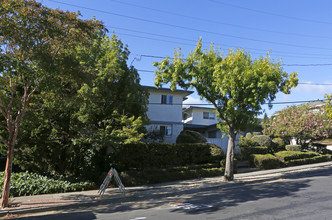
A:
x: 247, y: 142
x: 247, y: 151
x: 285, y: 156
x: 280, y: 144
x: 142, y: 156
x: 293, y: 147
x: 262, y: 140
x: 153, y: 176
x: 316, y: 159
x: 188, y: 136
x: 26, y: 184
x: 266, y: 161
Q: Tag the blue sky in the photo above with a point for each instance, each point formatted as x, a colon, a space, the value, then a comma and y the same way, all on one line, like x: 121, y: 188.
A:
x: 299, y: 33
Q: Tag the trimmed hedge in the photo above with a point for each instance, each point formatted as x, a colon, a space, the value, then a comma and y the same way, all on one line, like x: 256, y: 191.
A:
x: 293, y: 147
x: 316, y: 159
x: 266, y: 161
x: 26, y: 184
x: 153, y: 176
x: 262, y: 140
x: 285, y: 156
x: 142, y: 156
x: 280, y: 144
x: 247, y: 151
x: 188, y: 136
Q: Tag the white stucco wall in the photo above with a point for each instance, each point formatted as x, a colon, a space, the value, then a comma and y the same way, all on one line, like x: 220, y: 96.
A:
x: 196, y: 116
x: 165, y: 112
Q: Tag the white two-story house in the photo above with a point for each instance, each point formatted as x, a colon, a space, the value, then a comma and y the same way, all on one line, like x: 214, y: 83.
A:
x: 165, y: 112
x: 204, y: 121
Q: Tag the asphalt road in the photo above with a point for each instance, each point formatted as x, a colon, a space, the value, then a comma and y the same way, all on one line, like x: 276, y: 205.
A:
x: 298, y: 196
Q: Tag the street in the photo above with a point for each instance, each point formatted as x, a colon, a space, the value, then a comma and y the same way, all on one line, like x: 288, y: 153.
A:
x: 294, y: 196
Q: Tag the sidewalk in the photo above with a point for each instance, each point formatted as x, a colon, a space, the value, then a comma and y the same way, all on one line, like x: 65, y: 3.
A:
x: 52, y: 202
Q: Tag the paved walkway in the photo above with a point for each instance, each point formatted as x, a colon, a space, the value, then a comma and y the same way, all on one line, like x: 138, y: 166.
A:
x: 49, y: 202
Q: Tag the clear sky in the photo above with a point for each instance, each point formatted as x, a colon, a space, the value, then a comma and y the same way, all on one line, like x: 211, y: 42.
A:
x: 297, y: 32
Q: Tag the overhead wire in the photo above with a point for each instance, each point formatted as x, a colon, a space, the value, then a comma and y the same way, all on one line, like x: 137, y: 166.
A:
x: 192, y: 29
x: 195, y: 41
x: 270, y: 13
x: 218, y: 22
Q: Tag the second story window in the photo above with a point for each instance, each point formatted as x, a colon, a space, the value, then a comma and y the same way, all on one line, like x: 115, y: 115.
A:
x: 209, y: 115
x: 167, y: 99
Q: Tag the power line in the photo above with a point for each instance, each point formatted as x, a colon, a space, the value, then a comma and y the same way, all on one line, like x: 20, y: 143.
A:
x: 295, y: 64
x: 307, y: 83
x: 195, y: 41
x: 270, y: 13
x: 218, y: 22
x: 191, y: 29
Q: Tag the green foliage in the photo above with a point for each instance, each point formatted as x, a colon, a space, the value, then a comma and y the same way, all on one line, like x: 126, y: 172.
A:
x: 328, y: 106
x: 316, y: 159
x: 266, y: 161
x: 285, y: 156
x: 68, y: 129
x: 247, y: 141
x: 153, y: 176
x: 304, y: 123
x: 188, y: 136
x: 236, y: 84
x: 161, y: 155
x: 280, y: 143
x: 262, y: 140
x: 293, y: 147
x: 248, y: 151
x: 292, y: 158
x: 27, y: 184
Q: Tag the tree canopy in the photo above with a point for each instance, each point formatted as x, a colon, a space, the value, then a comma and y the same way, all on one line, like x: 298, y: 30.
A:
x: 236, y: 84
x: 36, y: 49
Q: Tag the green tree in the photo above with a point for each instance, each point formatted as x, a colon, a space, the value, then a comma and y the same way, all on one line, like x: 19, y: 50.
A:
x: 68, y: 132
x: 328, y: 106
x: 236, y: 85
x: 36, y: 49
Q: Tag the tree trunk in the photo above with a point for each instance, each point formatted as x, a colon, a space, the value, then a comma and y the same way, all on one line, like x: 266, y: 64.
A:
x: 8, y: 174
x: 229, y: 168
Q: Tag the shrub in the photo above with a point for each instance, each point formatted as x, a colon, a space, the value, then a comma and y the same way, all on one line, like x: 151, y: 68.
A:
x: 267, y: 161
x: 285, y: 156
x: 280, y: 143
x: 262, y: 140
x: 162, y: 155
x: 316, y: 159
x: 293, y: 147
x: 26, y: 184
x: 247, y: 142
x: 247, y: 151
x: 153, y: 176
x: 188, y: 136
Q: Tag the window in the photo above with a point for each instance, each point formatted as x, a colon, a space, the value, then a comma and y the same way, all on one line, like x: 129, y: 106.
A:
x: 167, y: 99
x: 212, y: 134
x: 166, y: 130
x: 209, y: 115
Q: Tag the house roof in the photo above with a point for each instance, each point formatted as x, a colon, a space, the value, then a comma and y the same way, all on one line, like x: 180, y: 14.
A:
x: 199, y: 107
x: 186, y: 92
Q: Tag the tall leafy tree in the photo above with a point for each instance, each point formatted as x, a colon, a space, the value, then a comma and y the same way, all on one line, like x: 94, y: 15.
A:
x: 36, y: 49
x: 68, y: 129
x: 237, y: 85
x: 328, y: 106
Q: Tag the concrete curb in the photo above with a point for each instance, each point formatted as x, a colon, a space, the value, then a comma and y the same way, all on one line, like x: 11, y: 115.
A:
x: 213, y: 182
